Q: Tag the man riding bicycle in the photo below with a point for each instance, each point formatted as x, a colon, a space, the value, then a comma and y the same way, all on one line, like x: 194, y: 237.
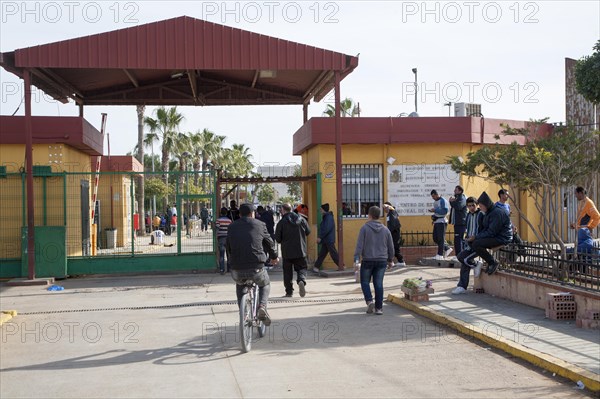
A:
x: 247, y: 241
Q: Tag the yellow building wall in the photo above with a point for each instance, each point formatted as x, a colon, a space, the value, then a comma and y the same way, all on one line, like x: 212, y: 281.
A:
x: 321, y: 158
x: 61, y: 158
x: 121, y: 206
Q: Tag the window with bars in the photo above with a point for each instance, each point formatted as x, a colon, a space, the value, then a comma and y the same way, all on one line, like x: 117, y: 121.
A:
x: 362, y: 188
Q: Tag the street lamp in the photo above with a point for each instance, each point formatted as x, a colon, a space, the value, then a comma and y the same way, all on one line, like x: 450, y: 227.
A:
x: 449, y: 105
x: 414, y: 70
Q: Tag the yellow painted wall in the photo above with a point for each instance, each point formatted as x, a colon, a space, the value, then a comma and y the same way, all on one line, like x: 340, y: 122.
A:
x: 321, y: 158
x: 121, y: 214
x: 61, y: 158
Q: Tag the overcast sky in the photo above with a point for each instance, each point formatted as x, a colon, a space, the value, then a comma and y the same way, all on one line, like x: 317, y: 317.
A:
x: 507, y: 56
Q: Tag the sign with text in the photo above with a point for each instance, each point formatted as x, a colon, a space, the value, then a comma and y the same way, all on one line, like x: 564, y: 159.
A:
x: 409, y: 186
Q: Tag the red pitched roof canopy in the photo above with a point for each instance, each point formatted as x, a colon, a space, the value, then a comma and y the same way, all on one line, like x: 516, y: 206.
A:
x: 180, y: 61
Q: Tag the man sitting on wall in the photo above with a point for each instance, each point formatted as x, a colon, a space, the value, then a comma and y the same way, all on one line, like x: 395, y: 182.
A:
x: 495, y: 230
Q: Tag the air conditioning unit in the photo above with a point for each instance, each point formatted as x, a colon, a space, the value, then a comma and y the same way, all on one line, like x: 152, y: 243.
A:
x: 467, y: 109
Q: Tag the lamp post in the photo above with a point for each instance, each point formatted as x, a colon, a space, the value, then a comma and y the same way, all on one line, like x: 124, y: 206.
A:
x: 414, y: 70
x: 449, y: 105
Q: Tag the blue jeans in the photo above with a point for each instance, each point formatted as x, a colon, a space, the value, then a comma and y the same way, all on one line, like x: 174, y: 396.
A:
x: 375, y: 269
x: 222, y: 242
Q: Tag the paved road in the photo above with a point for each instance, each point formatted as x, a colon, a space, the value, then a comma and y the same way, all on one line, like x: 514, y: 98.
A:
x: 176, y: 336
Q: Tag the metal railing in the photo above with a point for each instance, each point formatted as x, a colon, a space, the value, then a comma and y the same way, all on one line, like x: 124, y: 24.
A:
x: 581, y: 270
x: 422, y: 238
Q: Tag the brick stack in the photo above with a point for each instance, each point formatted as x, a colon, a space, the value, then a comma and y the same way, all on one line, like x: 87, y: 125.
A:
x: 412, y: 294
x: 561, y: 306
x: 591, y: 319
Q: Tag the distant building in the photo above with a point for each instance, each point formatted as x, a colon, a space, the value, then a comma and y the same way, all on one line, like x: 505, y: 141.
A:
x: 281, y: 189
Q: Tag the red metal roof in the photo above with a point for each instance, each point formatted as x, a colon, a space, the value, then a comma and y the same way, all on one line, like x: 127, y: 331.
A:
x: 408, y: 130
x: 180, y: 61
x: 71, y: 130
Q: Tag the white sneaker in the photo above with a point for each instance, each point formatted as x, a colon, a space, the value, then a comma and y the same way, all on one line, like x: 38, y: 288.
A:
x: 400, y: 264
x: 438, y: 257
x: 448, y: 252
x: 459, y: 290
x: 477, y: 268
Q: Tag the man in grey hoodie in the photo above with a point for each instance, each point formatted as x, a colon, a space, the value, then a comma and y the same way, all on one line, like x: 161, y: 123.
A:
x: 291, y: 233
x: 376, y: 248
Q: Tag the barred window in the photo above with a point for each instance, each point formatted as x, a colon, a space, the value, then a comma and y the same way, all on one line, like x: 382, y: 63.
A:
x: 361, y: 189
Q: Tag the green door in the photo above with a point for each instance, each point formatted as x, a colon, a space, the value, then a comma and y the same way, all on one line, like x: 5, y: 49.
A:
x: 50, y: 252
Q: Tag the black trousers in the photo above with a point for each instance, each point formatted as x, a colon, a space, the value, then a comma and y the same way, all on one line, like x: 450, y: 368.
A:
x: 289, y: 265
x: 327, y: 248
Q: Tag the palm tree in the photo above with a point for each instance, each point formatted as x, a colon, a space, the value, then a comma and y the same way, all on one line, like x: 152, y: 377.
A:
x: 347, y: 108
x: 206, y: 146
x: 166, y: 126
x: 140, y: 157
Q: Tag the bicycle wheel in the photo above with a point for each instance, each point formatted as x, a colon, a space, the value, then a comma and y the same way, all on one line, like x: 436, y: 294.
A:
x: 246, y: 323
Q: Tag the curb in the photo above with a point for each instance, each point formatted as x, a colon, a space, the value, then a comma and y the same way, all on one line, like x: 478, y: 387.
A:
x: 550, y: 363
x: 6, y: 315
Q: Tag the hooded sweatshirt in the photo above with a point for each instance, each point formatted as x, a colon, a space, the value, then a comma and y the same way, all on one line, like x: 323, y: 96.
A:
x: 374, y: 243
x: 496, y: 223
x: 291, y: 232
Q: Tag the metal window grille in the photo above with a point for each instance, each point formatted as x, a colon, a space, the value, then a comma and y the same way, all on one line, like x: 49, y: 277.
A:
x: 362, y: 188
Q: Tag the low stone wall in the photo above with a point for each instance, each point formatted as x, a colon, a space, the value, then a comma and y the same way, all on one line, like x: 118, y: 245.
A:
x: 412, y: 255
x: 533, y: 292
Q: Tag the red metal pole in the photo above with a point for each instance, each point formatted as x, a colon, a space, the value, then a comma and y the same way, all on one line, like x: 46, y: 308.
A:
x: 338, y: 169
x: 305, y: 113
x: 29, y: 170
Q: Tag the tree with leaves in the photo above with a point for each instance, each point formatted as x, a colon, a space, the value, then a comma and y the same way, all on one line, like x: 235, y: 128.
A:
x: 587, y: 76
x: 295, y: 188
x: 544, y: 165
x: 165, y: 126
x: 347, y: 108
x: 266, y: 194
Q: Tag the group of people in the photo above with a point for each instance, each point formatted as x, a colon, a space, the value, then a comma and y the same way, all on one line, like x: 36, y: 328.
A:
x: 479, y: 223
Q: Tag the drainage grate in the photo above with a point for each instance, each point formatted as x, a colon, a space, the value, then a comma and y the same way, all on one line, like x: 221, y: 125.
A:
x: 189, y: 305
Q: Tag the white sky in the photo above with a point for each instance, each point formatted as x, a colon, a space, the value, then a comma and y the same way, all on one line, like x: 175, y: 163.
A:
x: 506, y: 55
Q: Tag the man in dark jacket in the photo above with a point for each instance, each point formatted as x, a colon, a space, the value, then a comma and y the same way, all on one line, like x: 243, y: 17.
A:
x: 393, y: 225
x: 458, y: 217
x: 291, y: 233
x: 495, y: 230
x: 247, y: 240
x: 327, y: 240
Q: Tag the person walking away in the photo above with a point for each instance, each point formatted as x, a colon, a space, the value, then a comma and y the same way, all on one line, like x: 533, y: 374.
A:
x: 467, y: 256
x: 246, y: 239
x: 393, y: 225
x: 234, y: 212
x: 458, y: 216
x: 222, y: 225
x: 268, y: 219
x: 204, y: 219
x: 440, y: 210
x: 376, y: 248
x: 291, y: 233
x: 327, y: 240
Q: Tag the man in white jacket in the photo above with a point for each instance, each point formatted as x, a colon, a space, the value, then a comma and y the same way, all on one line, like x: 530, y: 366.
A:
x: 376, y: 248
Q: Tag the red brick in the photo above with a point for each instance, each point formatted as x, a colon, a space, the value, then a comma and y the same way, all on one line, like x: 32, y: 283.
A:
x: 417, y: 298
x: 560, y: 315
x: 560, y: 297
x: 562, y: 306
x: 479, y: 291
x: 592, y: 314
x: 578, y: 323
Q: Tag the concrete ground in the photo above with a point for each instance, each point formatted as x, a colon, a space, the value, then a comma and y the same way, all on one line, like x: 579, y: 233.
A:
x: 176, y: 336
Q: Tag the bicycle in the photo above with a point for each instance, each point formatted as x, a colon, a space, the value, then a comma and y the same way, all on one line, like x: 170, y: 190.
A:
x: 249, y: 316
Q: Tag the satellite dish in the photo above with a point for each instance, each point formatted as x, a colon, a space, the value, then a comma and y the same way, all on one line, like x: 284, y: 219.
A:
x: 413, y: 115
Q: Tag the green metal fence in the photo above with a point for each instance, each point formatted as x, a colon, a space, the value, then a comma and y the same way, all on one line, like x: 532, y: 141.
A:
x: 113, y: 241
